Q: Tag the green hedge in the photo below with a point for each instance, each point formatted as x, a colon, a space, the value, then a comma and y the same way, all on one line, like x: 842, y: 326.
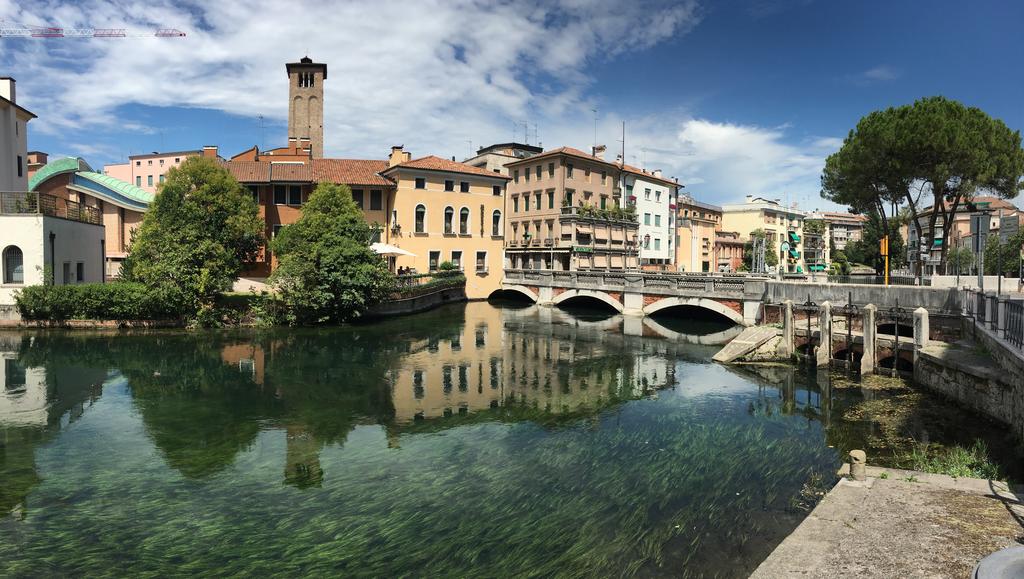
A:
x: 99, y: 301
x: 448, y: 280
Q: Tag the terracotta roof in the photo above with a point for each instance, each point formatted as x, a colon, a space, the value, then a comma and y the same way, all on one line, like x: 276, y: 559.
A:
x: 249, y: 171
x: 351, y: 171
x: 563, y: 151
x: 647, y: 175
x: 291, y: 172
x: 432, y: 163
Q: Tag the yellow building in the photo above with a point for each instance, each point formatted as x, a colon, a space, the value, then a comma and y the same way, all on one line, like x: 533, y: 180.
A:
x: 695, y: 244
x: 448, y: 211
x: 783, y: 227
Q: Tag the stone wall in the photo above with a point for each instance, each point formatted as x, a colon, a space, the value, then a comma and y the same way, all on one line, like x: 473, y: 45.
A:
x: 417, y: 304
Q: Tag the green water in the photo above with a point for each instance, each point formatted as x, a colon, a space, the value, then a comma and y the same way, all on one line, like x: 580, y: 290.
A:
x: 473, y: 440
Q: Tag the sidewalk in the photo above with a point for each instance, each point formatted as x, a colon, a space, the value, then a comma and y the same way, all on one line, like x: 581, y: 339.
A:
x: 907, y: 524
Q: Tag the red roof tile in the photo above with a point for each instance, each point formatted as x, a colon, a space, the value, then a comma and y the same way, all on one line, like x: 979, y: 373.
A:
x: 249, y: 171
x: 293, y: 172
x: 432, y: 163
x: 351, y: 171
x: 583, y: 155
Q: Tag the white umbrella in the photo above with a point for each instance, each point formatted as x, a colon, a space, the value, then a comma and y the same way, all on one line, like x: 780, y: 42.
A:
x: 386, y: 249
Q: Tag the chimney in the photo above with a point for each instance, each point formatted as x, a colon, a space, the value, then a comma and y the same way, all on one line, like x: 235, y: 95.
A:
x: 210, y: 151
x: 750, y: 198
x: 657, y: 173
x: 7, y: 89
x: 598, y: 151
x: 397, y: 155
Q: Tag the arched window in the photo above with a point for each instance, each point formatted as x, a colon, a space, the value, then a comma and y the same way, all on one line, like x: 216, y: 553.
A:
x: 421, y: 219
x: 449, y: 215
x: 496, y: 223
x: 14, y: 265
x: 464, y: 221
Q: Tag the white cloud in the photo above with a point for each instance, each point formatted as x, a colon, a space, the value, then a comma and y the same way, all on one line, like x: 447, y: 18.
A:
x: 430, y: 74
x: 877, y: 74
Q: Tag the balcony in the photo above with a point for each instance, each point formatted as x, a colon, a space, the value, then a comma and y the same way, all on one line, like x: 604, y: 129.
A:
x: 30, y: 203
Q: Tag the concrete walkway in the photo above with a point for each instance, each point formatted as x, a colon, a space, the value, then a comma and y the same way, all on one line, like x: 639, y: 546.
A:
x: 900, y: 524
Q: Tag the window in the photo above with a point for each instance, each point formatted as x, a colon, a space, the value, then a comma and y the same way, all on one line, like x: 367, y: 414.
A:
x: 526, y: 202
x: 177, y: 160
x: 457, y: 259
x: 536, y: 199
x: 586, y: 173
x: 551, y: 169
x: 149, y: 180
x: 435, y: 256
x: 19, y: 166
x: 657, y: 196
x: 79, y: 272
x: 538, y: 172
x: 449, y: 215
x: 464, y: 186
x: 568, y: 170
x: 254, y: 190
x: 449, y: 185
x: 357, y: 196
x: 150, y: 162
x: 14, y: 265
x: 138, y: 163
x: 295, y: 195
x: 657, y: 243
x: 463, y: 382
x: 604, y: 177
x: 161, y: 178
x: 66, y: 273
x: 496, y: 190
x: 481, y: 261
x: 496, y: 223
x: 161, y: 162
x: 551, y: 199
x: 515, y: 205
x: 647, y: 218
x: 417, y: 384
x: 657, y: 220
x: 526, y: 174
x: 604, y: 201
x: 421, y: 183
x: 464, y: 221
x: 568, y: 196
x: 446, y: 379
x: 647, y: 194
x: 421, y: 219
x: 280, y: 194
x: 376, y: 202
x: 515, y: 175
x: 138, y: 180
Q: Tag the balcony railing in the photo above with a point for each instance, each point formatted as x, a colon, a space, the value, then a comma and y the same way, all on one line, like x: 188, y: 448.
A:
x: 30, y: 203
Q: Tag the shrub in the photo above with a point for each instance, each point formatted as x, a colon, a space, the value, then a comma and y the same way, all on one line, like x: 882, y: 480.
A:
x: 447, y: 266
x: 110, y: 301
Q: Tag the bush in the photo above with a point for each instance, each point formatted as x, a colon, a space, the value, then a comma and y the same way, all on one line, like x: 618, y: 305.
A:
x: 443, y: 280
x: 447, y: 266
x: 110, y: 301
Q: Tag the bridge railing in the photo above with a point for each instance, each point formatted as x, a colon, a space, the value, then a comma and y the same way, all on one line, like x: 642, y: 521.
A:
x: 1002, y: 314
x: 731, y: 284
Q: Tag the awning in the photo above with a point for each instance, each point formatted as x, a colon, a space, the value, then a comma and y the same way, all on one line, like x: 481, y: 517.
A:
x: 794, y: 253
x: 793, y: 235
x: 600, y: 260
x: 386, y: 249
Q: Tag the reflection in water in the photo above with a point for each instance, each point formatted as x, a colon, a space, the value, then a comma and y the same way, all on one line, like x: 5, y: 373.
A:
x: 473, y: 439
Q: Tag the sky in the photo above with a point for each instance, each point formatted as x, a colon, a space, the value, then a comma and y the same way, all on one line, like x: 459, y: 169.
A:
x: 733, y: 97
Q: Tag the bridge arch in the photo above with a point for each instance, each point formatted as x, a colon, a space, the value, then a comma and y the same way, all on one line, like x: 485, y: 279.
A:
x: 586, y: 293
x: 516, y: 289
x: 694, y: 302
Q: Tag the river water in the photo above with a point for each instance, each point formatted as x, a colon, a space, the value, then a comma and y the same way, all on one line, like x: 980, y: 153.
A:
x: 473, y: 440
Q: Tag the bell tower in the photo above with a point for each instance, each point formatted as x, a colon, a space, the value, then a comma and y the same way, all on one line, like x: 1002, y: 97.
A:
x: 306, y: 102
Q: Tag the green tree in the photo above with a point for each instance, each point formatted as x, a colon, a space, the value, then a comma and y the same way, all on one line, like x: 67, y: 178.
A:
x: 1003, y: 257
x: 771, y: 257
x: 200, y: 230
x: 935, y: 146
x: 960, y: 259
x: 868, y: 250
x: 327, y: 272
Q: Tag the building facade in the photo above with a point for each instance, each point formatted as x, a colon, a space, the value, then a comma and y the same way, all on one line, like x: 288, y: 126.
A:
x: 148, y: 171
x: 14, y: 121
x: 783, y: 227
x: 728, y: 251
x: 655, y: 198
x: 929, y: 258
x: 564, y: 212
x: 697, y: 235
x: 495, y: 157
x: 121, y: 205
x: 843, y: 227
x: 444, y: 210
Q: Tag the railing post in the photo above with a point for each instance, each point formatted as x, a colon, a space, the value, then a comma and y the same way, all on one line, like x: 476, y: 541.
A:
x: 1001, y: 315
x: 922, y: 332
x: 824, y: 354
x: 867, y: 361
x: 788, y: 329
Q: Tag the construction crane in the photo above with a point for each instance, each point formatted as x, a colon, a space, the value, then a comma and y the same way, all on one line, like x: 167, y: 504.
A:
x: 19, y: 31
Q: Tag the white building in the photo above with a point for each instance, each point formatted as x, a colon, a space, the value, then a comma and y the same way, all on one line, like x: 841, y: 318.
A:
x: 654, y: 197
x: 43, y: 233
x: 13, y: 139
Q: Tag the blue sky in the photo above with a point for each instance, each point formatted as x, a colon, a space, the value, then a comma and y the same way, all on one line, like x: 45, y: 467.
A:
x: 733, y: 97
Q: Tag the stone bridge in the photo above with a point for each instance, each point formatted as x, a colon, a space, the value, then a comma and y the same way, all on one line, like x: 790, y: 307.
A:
x: 740, y: 298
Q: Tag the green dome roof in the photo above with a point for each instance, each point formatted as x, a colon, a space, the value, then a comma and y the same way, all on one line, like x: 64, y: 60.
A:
x: 127, y: 189
x: 58, y: 167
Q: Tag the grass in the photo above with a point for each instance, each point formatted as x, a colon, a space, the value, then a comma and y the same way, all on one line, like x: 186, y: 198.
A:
x: 955, y: 461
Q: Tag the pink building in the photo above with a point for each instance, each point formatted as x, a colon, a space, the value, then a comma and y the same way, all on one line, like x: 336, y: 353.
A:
x: 147, y: 171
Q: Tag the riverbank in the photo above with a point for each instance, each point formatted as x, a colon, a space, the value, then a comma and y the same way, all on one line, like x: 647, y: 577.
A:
x: 900, y: 523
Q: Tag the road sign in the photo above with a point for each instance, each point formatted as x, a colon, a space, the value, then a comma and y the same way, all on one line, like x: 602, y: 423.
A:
x: 1008, y: 227
x: 979, y: 230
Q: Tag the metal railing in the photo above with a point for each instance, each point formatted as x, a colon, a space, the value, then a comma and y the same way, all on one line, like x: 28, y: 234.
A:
x: 31, y: 203
x: 701, y: 283
x: 1014, y: 331
x: 879, y: 280
x: 1002, y: 314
